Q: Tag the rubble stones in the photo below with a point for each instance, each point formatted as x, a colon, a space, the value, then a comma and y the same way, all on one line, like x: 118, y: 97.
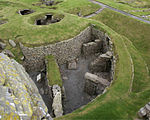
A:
x: 92, y: 47
x: 142, y: 112
x: 8, y: 53
x: 38, y: 79
x: 2, y: 45
x: 12, y: 43
x: 102, y: 63
x: 72, y: 65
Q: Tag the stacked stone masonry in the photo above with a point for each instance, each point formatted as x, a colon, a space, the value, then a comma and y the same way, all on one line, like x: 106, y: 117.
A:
x: 64, y: 51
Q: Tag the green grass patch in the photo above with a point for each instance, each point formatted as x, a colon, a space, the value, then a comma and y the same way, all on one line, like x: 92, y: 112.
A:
x: 135, y: 7
x: 53, y: 73
x: 141, y: 75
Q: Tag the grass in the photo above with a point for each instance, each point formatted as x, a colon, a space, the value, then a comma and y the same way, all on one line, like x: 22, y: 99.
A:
x: 37, y: 35
x: 141, y: 76
x: 53, y: 73
x: 136, y: 7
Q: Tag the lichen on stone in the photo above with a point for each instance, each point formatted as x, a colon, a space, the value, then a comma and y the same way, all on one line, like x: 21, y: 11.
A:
x: 19, y: 96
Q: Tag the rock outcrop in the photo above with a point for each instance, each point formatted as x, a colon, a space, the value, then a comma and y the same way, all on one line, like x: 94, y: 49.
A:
x: 19, y: 96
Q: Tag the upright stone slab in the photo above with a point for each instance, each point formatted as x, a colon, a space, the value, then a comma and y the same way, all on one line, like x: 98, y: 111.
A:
x: 94, y: 85
x: 57, y: 101
x: 2, y: 45
x: 102, y: 63
x: 12, y: 43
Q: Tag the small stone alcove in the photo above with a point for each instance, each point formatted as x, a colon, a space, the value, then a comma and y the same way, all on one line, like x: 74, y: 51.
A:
x: 25, y: 12
x: 48, y: 19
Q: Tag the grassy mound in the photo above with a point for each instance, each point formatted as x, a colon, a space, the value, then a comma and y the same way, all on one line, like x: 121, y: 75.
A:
x: 53, y: 73
x: 37, y: 35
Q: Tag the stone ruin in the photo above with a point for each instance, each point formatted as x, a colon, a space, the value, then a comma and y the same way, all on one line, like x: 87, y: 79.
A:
x: 99, y: 75
x: 144, y: 112
x: 86, y: 65
x: 25, y: 12
x: 49, y: 19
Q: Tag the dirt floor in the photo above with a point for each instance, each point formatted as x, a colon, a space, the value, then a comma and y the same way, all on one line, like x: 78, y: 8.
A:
x: 74, y: 85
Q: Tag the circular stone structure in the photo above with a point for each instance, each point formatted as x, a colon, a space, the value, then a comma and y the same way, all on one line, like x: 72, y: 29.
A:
x: 49, y: 19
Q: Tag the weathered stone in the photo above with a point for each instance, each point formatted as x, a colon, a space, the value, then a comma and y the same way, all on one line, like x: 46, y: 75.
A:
x: 89, y: 48
x: 46, y: 91
x: 147, y: 107
x: 142, y: 112
x: 99, y: 43
x: 57, y: 101
x: 72, y: 65
x: 22, y: 58
x: 96, y: 79
x: 102, y: 63
x: 19, y: 96
x: 2, y: 75
x: 8, y: 53
x: 65, y: 78
x: 12, y: 43
x: 42, y: 91
x: 2, y: 45
x: 93, y: 88
x: 38, y: 79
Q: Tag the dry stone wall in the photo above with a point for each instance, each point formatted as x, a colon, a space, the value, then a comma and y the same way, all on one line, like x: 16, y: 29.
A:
x: 63, y: 51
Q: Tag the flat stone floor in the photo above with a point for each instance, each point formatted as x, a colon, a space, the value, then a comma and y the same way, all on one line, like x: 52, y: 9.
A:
x: 74, y: 85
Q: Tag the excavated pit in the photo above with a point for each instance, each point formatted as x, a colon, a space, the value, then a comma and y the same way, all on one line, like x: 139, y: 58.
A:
x: 25, y: 12
x: 73, y: 82
x: 48, y: 19
x: 84, y: 77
